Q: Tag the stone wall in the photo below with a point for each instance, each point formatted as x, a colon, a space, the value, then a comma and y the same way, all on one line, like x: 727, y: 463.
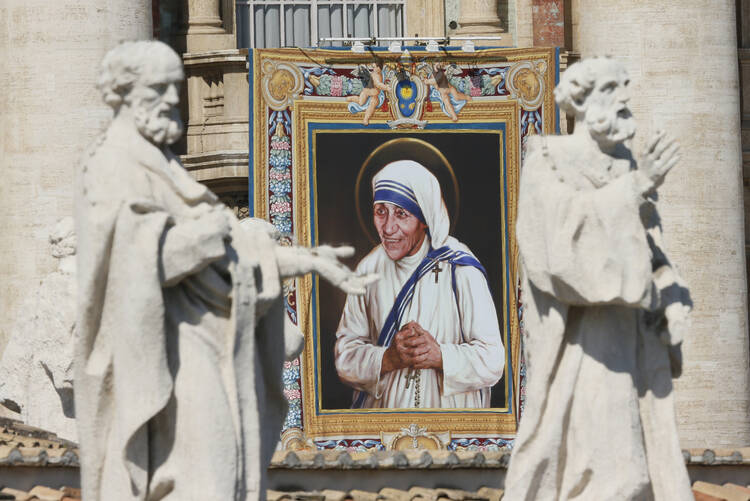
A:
x: 682, y: 59
x: 50, y: 111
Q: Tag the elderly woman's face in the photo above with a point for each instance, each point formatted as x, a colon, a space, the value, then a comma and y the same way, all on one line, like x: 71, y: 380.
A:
x: 401, y: 233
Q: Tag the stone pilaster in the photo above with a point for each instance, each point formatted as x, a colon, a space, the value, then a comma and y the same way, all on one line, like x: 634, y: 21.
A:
x: 682, y: 59
x: 524, y: 23
x: 50, y: 112
x: 425, y: 18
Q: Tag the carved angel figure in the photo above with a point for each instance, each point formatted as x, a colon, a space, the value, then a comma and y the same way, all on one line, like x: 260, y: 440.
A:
x: 372, y: 84
x: 451, y: 99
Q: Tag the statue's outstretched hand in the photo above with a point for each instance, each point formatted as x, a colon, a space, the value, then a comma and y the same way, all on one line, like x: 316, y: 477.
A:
x: 662, y: 153
x: 326, y: 263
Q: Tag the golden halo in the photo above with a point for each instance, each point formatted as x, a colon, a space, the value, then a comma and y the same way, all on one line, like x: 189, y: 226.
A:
x: 404, y: 148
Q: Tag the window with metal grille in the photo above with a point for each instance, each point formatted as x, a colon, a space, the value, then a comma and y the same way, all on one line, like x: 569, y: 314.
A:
x: 301, y: 23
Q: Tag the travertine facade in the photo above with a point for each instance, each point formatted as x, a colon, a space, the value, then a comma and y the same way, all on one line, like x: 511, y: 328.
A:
x: 682, y: 55
x: 49, y: 52
x: 682, y: 58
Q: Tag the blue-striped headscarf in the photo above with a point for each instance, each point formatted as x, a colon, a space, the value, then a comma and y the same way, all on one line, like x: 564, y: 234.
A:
x: 412, y: 187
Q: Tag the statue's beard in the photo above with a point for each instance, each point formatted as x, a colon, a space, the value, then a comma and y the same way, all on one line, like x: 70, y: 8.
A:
x: 610, y: 124
x: 160, y: 124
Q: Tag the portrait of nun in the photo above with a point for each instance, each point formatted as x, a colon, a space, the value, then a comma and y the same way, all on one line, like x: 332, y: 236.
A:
x: 427, y: 334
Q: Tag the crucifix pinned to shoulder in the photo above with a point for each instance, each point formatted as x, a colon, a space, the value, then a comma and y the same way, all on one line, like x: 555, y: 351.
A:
x: 436, y: 269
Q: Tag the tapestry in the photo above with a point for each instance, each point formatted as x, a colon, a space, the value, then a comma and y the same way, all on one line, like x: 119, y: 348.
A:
x: 324, y: 124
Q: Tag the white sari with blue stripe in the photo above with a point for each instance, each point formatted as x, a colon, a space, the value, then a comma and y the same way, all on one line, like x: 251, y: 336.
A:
x: 454, y: 305
x: 457, y: 310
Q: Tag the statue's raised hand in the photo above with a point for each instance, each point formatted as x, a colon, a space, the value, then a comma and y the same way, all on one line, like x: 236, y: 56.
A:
x: 326, y: 263
x: 662, y: 153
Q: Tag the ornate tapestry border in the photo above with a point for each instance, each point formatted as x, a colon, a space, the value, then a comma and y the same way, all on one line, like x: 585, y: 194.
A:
x: 513, y: 83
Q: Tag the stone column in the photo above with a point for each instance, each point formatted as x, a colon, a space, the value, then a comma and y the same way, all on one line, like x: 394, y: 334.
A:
x: 206, y: 29
x: 203, y: 17
x: 50, y: 112
x: 682, y: 59
x: 479, y: 17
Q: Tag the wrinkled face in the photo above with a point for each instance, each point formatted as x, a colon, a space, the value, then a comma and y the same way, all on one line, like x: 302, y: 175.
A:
x: 154, y: 100
x: 607, y: 114
x: 401, y: 233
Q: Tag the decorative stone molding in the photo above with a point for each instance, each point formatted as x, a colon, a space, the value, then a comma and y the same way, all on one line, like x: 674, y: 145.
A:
x: 214, y: 166
x: 433, y: 459
x: 213, y: 102
x: 390, y: 460
x: 218, y: 101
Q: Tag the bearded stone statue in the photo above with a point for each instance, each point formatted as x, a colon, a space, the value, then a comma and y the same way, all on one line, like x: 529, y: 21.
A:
x: 180, y: 337
x: 604, y: 308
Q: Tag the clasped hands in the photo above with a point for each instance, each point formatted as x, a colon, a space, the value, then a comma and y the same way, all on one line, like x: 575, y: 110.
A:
x: 412, y: 347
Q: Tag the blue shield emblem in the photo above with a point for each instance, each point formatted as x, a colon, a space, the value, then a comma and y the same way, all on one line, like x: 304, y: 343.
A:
x: 406, y: 93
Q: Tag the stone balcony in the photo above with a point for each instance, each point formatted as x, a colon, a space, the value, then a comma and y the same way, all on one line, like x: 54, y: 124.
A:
x: 217, y: 127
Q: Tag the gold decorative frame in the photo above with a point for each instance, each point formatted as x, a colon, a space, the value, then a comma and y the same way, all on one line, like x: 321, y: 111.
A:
x: 378, y: 423
x: 319, y: 423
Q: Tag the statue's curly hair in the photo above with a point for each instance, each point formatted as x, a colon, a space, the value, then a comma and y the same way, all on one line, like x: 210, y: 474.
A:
x: 123, y: 65
x: 577, y: 82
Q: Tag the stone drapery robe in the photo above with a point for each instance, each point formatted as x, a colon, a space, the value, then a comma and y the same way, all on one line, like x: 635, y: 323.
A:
x: 170, y: 366
x: 599, y: 420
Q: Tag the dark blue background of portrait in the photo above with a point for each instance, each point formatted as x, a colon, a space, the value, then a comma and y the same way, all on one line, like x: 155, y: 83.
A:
x: 475, y: 158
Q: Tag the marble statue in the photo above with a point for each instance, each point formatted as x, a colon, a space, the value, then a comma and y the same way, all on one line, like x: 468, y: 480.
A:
x: 180, y: 337
x: 604, y: 308
x: 36, y: 374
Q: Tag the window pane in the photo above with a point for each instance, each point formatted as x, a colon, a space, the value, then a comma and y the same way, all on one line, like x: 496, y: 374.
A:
x: 324, y: 24
x: 272, y: 26
x: 400, y: 28
x: 243, y: 25
x: 388, y: 22
x: 262, y: 18
x: 337, y: 23
x: 301, y: 24
x: 288, y: 26
x: 330, y: 24
x: 259, y: 25
x: 359, y: 20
